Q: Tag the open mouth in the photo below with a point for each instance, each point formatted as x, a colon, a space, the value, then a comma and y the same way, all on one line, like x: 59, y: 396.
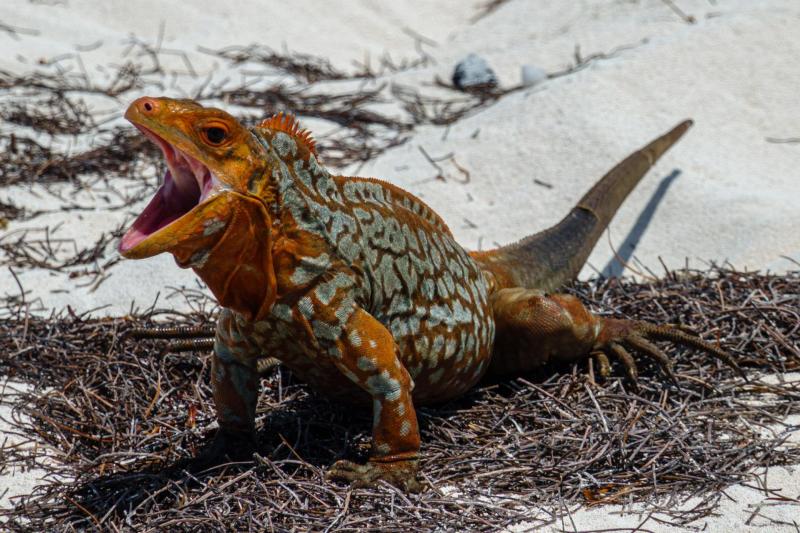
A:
x: 186, y: 184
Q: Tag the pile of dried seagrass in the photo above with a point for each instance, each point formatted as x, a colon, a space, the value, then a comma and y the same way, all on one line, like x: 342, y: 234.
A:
x: 114, y: 422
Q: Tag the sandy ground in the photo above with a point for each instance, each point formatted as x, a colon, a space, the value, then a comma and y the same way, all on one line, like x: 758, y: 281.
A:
x: 15, y: 480
x: 727, y: 192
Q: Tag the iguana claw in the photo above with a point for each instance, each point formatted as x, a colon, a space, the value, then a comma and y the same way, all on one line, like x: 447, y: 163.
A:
x: 402, y: 474
x: 227, y: 446
x: 619, y: 335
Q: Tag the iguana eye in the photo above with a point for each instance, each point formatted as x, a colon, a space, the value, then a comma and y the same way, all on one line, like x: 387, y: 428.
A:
x: 215, y: 134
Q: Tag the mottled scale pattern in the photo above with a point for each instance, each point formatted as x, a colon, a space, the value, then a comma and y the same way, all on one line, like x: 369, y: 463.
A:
x: 383, y: 251
x: 375, y: 303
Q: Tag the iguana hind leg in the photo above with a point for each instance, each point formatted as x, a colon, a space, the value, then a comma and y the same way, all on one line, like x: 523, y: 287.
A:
x: 534, y: 329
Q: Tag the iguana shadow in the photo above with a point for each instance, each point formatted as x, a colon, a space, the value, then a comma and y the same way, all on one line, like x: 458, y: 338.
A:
x: 308, y: 432
x: 616, y: 266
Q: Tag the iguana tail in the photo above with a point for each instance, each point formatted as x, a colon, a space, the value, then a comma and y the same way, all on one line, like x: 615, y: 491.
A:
x: 548, y: 259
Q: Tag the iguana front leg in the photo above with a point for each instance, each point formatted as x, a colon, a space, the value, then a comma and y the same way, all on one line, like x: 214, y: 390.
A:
x: 534, y: 328
x: 368, y: 356
x: 235, y: 382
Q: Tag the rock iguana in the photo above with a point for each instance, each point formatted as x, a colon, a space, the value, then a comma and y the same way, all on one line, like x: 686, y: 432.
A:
x: 359, y: 287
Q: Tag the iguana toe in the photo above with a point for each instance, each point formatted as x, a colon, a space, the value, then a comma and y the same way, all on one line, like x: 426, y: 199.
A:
x: 401, y: 474
x: 619, y: 336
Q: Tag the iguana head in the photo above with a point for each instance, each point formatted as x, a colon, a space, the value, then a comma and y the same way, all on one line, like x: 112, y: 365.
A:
x: 211, y: 211
x: 209, y: 156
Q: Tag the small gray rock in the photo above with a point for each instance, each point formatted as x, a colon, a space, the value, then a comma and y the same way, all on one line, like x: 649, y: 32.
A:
x: 474, y: 73
x: 532, y: 75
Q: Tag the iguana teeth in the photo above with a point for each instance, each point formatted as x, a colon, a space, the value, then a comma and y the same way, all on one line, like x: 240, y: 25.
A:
x: 211, y: 186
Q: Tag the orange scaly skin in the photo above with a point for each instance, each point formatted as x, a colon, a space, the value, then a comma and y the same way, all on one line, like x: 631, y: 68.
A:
x: 359, y: 287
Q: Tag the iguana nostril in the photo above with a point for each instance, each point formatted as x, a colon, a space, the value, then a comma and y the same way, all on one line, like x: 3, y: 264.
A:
x: 148, y: 106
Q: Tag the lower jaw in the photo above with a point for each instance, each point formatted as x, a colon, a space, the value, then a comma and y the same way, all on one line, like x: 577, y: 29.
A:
x: 183, y: 235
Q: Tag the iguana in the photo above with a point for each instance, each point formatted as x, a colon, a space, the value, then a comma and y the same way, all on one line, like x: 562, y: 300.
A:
x: 359, y: 287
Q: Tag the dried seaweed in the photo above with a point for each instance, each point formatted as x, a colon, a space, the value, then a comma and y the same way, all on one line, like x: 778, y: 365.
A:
x: 487, y: 8
x: 120, y: 418
x: 31, y: 162
x: 49, y: 252
x: 306, y: 67
x: 48, y: 105
x: 8, y: 211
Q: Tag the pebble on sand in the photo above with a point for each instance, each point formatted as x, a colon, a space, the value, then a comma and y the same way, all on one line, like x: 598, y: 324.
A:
x: 532, y: 75
x: 474, y: 73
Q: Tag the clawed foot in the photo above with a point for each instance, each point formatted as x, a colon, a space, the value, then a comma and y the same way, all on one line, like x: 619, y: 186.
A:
x: 401, y: 474
x: 618, y: 336
x: 227, y: 446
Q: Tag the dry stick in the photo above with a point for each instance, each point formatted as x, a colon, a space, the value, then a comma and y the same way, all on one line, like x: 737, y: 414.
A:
x: 488, y: 8
x: 788, y: 140
x: 23, y: 304
x: 686, y: 18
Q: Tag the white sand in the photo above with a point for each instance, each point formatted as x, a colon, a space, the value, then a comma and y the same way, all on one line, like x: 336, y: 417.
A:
x: 14, y: 481
x: 734, y: 71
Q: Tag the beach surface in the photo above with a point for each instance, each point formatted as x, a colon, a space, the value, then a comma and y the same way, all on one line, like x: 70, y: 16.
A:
x: 620, y: 73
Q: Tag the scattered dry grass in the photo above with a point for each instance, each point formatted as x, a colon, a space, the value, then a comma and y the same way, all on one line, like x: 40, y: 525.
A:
x: 122, y: 419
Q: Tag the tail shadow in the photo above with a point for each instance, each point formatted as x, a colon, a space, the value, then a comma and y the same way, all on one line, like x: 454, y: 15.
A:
x: 616, y: 265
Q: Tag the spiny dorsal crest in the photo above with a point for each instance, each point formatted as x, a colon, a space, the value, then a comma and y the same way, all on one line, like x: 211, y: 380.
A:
x: 290, y: 125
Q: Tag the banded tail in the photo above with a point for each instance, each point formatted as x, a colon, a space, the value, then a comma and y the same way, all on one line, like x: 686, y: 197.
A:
x: 550, y: 258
